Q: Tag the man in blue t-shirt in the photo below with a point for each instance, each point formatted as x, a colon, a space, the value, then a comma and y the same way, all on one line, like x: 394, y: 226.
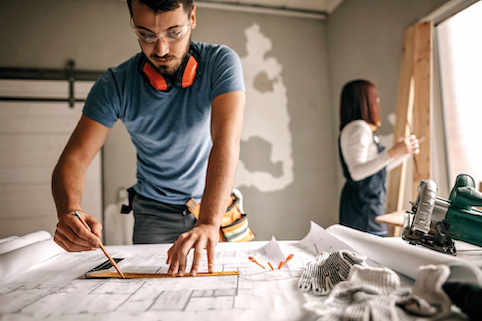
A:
x: 182, y: 103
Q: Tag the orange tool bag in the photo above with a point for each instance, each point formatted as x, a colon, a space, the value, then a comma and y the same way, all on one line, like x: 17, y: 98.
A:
x: 234, y: 226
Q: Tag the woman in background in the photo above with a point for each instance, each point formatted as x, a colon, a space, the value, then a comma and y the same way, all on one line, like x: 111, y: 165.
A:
x: 363, y: 159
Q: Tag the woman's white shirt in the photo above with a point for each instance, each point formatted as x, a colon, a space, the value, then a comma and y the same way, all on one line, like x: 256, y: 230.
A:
x: 360, y: 152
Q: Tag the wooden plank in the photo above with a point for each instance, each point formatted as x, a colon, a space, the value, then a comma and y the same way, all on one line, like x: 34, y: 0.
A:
x: 422, y: 75
x: 403, y: 111
x: 394, y: 222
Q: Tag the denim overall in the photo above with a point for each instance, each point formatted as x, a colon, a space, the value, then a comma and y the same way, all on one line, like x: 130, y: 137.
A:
x: 361, y: 202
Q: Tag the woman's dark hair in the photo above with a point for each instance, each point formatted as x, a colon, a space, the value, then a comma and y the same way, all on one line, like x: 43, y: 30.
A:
x: 164, y: 5
x: 359, y: 100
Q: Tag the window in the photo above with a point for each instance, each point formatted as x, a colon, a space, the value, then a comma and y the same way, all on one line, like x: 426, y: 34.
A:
x: 460, y: 63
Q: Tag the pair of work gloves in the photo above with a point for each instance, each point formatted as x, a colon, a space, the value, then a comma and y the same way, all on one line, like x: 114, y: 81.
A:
x: 356, y: 291
x: 327, y: 270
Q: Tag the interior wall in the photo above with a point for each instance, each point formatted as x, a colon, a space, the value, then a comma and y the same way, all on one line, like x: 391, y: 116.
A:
x: 365, y: 40
x: 307, y: 61
x: 32, y: 137
x: 282, y: 193
x: 293, y: 87
x: 48, y: 33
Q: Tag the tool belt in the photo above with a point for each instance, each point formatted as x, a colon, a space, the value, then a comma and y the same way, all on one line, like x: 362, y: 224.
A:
x: 234, y: 225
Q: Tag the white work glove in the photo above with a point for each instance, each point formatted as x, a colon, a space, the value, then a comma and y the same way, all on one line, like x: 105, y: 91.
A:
x: 328, y: 270
x: 428, y: 297
x: 375, y: 294
x: 369, y: 294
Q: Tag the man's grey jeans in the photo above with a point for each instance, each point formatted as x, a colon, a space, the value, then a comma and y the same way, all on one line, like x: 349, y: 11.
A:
x: 157, y: 222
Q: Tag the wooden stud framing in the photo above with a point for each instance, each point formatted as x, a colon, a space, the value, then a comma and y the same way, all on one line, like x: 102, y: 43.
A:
x: 422, y: 76
x: 414, y: 107
x: 404, y: 108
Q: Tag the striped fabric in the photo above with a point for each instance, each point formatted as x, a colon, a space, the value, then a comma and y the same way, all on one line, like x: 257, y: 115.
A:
x: 234, y: 226
x: 238, y: 231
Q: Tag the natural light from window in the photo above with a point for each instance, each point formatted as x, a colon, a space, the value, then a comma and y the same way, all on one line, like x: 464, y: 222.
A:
x: 460, y: 53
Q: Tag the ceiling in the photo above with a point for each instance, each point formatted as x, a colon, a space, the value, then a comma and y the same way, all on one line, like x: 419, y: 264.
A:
x: 316, y: 9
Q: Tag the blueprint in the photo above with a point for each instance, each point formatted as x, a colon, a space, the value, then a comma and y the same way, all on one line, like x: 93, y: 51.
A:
x: 57, y: 290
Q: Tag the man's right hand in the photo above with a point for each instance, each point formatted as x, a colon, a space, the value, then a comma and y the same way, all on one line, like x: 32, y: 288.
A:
x: 72, y: 235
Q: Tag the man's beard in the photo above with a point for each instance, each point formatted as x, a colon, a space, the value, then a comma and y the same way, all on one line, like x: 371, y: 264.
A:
x: 169, y: 70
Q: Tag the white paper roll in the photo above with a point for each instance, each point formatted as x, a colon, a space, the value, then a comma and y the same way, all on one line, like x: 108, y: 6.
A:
x: 23, y: 258
x: 402, y: 257
x: 16, y: 242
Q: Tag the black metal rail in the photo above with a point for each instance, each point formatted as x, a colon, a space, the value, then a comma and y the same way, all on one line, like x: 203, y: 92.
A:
x: 69, y: 74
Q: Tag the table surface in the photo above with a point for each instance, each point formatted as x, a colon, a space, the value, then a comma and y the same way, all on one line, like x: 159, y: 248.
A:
x: 56, y: 289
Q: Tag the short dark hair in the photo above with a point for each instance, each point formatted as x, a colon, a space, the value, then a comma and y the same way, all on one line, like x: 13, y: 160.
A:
x: 359, y: 101
x: 164, y: 5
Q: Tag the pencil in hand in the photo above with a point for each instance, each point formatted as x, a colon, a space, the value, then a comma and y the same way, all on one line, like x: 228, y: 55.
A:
x: 111, y: 260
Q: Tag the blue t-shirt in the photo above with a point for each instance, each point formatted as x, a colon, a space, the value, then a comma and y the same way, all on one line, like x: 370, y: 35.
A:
x: 170, y: 129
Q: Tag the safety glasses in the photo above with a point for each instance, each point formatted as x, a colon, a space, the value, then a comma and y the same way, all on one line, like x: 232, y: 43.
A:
x: 171, y: 35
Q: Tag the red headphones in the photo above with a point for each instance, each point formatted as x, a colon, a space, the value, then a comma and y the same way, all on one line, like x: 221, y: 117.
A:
x: 186, y: 74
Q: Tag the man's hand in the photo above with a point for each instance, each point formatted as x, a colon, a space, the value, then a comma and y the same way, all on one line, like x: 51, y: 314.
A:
x: 226, y: 126
x: 202, y: 236
x: 72, y: 235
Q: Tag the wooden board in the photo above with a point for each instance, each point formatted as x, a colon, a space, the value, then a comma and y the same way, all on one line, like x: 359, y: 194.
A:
x: 396, y: 183
x: 413, y: 110
x: 394, y: 222
x: 422, y: 76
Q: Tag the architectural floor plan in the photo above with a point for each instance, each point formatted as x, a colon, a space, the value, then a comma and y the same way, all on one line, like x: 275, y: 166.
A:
x: 56, y: 289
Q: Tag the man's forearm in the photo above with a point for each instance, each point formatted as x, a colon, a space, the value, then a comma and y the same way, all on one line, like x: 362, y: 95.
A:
x: 219, y: 181
x: 68, y: 178
x: 68, y: 181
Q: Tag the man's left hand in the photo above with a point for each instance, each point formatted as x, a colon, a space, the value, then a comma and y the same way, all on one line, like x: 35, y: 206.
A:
x: 202, y: 236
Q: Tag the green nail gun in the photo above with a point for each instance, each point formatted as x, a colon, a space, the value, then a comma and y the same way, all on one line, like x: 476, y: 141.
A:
x: 434, y: 221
